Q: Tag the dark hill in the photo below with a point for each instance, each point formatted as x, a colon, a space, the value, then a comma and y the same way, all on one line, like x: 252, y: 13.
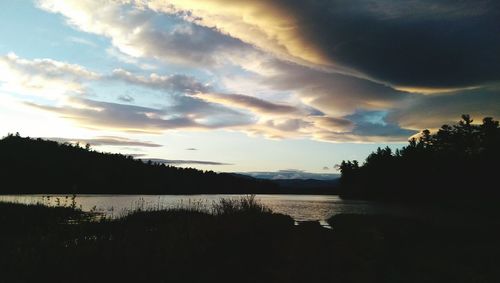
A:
x: 37, y: 166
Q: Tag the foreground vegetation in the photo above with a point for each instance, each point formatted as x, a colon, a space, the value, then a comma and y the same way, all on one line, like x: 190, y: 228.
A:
x: 457, y: 161
x: 242, y: 241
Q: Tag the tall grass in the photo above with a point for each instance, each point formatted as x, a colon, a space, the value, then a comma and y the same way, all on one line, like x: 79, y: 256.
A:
x: 247, y: 204
x: 227, y: 206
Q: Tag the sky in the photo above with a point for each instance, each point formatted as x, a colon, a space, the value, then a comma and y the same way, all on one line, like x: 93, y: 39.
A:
x: 246, y: 86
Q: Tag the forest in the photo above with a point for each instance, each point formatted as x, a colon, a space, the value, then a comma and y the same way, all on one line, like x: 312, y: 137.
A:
x: 457, y: 161
x: 38, y: 166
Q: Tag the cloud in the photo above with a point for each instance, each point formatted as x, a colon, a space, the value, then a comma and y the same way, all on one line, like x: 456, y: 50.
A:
x: 129, y: 118
x: 349, y: 137
x: 127, y: 59
x: 273, y: 120
x: 185, y: 162
x: 114, y: 116
x: 391, y: 131
x: 211, y: 114
x: 173, y: 83
x: 334, y: 98
x: 321, y: 91
x: 252, y: 103
x: 45, y: 77
x: 430, y: 35
x: 295, y: 121
x: 198, y: 92
x: 126, y: 98
x: 333, y: 124
x: 80, y: 40
x: 326, y: 70
x: 193, y: 105
x: 331, y: 93
x: 435, y: 110
x: 375, y: 123
x: 138, y: 31
x: 350, y: 128
x: 267, y: 25
x: 287, y: 125
x: 108, y: 140
x: 54, y: 79
x: 366, y: 126
x: 424, y: 43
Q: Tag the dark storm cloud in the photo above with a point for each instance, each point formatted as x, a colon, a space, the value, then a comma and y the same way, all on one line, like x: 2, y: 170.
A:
x: 409, y: 43
x: 412, y: 43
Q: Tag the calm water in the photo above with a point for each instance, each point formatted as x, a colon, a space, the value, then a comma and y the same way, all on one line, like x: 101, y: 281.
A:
x: 300, y: 207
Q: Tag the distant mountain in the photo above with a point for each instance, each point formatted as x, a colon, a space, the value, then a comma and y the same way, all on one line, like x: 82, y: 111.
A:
x: 292, y: 174
x: 37, y: 166
x: 289, y: 181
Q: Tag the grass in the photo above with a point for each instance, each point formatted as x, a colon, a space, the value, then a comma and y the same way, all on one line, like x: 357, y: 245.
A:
x: 243, y: 205
x: 239, y: 240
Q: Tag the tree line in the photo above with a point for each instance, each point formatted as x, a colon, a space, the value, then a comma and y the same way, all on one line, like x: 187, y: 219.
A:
x: 460, y: 160
x: 35, y: 166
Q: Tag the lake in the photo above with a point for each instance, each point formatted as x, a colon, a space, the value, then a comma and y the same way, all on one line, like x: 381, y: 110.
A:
x: 299, y: 207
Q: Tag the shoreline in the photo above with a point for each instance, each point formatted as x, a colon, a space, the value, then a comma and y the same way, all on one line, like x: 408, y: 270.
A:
x: 247, y: 242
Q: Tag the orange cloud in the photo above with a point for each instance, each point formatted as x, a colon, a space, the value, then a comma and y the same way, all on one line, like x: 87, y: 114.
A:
x: 261, y: 23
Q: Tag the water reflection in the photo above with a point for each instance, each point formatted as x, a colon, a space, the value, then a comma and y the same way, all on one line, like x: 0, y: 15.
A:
x: 299, y: 207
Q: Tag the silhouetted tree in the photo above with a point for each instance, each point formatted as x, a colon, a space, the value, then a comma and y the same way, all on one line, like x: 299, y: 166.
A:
x: 42, y: 166
x: 456, y: 160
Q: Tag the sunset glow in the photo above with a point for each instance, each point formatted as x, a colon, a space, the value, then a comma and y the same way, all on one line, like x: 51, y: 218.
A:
x: 245, y: 86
